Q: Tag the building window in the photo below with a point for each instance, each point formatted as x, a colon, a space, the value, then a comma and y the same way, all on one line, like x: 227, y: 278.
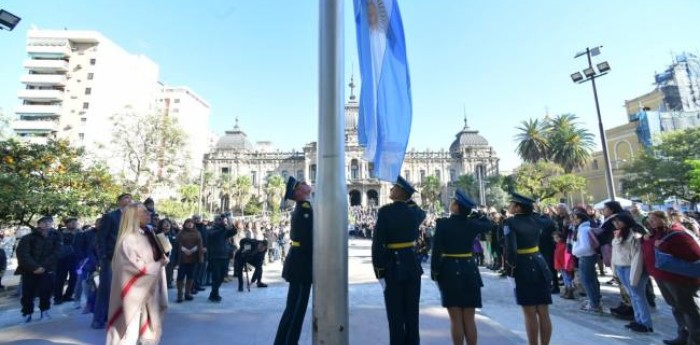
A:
x: 370, y: 167
x: 90, y: 76
x: 88, y: 90
x: 177, y: 100
x: 224, y: 171
x: 81, y: 136
x: 595, y: 164
x: 92, y: 62
x: 285, y: 174
x: 254, y: 177
x: 453, y: 175
x: 354, y: 168
x: 407, y: 175
x: 83, y: 120
x: 422, y: 176
x: 86, y: 105
x: 300, y: 175
x: 437, y: 174
x: 267, y: 175
x: 312, y: 172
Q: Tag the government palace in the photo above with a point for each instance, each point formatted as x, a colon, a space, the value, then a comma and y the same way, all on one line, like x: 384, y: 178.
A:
x: 234, y: 154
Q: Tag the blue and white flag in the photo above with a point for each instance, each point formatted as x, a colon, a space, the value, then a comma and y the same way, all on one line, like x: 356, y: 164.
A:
x: 385, y: 98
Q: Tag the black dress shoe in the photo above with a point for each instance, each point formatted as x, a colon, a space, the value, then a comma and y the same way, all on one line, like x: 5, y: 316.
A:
x: 262, y: 285
x: 677, y: 341
x: 641, y: 328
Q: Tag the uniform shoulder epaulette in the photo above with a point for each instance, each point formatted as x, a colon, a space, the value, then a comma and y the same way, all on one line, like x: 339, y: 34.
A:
x: 306, y: 204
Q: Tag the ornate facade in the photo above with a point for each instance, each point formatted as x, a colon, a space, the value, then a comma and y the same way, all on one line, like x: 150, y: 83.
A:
x: 235, y: 154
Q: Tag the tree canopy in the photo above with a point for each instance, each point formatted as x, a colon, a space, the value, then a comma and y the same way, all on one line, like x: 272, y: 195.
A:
x: 669, y: 168
x: 50, y: 179
x: 561, y: 140
x: 545, y: 180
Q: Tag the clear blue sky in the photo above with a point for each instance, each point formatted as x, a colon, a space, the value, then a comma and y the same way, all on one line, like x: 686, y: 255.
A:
x: 506, y: 61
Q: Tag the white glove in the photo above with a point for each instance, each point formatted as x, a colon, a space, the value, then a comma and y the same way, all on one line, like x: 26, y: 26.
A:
x: 382, y: 282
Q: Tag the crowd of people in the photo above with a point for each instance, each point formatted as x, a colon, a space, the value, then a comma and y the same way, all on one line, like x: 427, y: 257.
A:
x: 98, y: 267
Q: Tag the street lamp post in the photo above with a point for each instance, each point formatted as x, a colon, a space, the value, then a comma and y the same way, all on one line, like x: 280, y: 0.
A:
x: 590, y: 74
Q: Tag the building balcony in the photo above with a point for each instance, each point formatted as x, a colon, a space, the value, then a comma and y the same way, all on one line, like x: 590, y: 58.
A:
x: 49, y: 51
x: 46, y: 65
x: 38, y: 110
x: 44, y: 79
x: 41, y: 95
x: 24, y: 126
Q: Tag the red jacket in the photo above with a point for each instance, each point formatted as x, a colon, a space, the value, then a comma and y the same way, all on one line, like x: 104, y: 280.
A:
x: 681, y: 246
x: 563, y: 260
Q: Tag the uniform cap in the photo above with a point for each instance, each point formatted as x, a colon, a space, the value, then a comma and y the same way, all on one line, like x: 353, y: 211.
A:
x: 403, y: 184
x: 523, y: 200
x: 464, y: 200
x: 292, y: 184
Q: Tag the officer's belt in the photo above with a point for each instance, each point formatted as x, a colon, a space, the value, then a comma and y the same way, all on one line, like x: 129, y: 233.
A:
x: 296, y: 244
x: 526, y: 251
x: 400, y: 245
x: 457, y: 256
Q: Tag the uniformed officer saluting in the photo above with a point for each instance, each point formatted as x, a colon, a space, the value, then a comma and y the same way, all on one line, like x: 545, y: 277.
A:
x: 299, y: 265
x: 396, y: 263
x: 526, y: 264
x: 454, y: 269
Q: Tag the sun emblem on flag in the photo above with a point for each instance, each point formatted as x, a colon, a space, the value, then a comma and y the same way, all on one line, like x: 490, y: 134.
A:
x: 376, y: 15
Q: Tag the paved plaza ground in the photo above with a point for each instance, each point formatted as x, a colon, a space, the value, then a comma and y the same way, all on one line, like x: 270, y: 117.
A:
x: 251, y: 318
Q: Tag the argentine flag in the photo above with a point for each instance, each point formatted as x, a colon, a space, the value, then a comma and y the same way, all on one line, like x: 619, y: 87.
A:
x: 385, y: 98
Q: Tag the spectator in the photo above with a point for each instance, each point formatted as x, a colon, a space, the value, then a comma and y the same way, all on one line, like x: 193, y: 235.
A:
x: 37, y: 256
x: 680, y: 292
x: 585, y: 251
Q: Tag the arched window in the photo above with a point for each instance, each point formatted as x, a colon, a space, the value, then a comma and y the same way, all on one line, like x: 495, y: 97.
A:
x: 437, y: 174
x: 285, y: 175
x: 312, y: 173
x: 595, y: 164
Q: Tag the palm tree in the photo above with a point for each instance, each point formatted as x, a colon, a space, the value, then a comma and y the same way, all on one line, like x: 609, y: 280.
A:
x: 274, y: 189
x: 570, y: 145
x: 532, y: 141
x: 225, y: 185
x: 241, y: 191
x: 430, y: 191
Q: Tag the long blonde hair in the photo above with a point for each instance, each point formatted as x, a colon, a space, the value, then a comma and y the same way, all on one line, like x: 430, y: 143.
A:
x: 130, y: 222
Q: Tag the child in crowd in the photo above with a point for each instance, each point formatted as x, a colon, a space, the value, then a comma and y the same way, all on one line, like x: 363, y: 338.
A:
x: 564, y: 264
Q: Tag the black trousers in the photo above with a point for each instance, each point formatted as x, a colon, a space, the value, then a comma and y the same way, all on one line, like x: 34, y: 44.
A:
x: 289, y: 329
x: 256, y: 261
x: 186, y: 271
x: 218, y: 268
x: 66, y: 269
x: 200, y: 272
x: 34, y: 285
x: 401, y: 299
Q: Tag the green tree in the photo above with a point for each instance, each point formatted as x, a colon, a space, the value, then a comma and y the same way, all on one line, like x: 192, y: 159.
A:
x: 241, y: 192
x: 694, y: 175
x: 174, y: 209
x: 50, y: 180
x: 667, y: 169
x: 152, y: 148
x: 253, y: 207
x: 561, y: 140
x: 274, y: 188
x: 225, y: 186
x: 533, y: 142
x: 430, y: 192
x: 569, y: 144
x: 468, y: 184
x: 496, y: 196
x: 545, y: 180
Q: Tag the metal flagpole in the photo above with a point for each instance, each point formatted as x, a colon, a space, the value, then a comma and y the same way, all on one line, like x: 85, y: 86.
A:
x: 330, y: 286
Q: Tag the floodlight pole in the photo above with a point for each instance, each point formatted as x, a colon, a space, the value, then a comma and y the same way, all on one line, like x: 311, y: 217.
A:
x: 604, y: 141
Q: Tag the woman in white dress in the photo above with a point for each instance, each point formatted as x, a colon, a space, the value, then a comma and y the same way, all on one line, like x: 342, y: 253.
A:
x: 138, y: 298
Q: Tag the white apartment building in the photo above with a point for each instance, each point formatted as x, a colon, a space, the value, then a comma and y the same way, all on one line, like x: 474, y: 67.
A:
x: 192, y: 113
x: 77, y: 81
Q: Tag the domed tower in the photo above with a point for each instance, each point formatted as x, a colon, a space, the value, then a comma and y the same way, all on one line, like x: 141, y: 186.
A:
x: 467, y: 142
x: 234, y: 140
